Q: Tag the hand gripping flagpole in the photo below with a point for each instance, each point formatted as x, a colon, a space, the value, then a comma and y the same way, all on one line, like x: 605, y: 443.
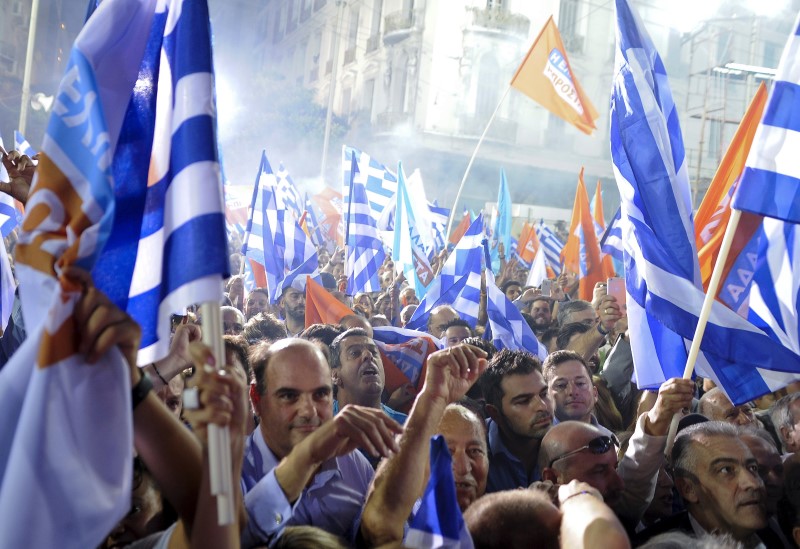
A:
x: 219, y: 438
x: 705, y: 312
x: 472, y: 159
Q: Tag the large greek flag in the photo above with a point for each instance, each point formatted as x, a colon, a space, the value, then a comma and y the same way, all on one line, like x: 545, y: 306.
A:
x: 663, y: 283
x: 365, y: 253
x: 168, y: 246
x: 379, y: 183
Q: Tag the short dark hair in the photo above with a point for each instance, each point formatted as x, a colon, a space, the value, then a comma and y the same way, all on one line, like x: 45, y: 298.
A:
x: 684, y: 455
x: 264, y: 327
x: 336, y: 344
x: 237, y: 345
x: 566, y: 309
x: 506, y: 363
x: 458, y: 322
x: 483, y: 344
x: 555, y: 359
x: 508, y: 283
x: 566, y: 332
x: 325, y: 333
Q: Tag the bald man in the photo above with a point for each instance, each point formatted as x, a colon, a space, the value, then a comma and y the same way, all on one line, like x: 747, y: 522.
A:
x: 716, y: 406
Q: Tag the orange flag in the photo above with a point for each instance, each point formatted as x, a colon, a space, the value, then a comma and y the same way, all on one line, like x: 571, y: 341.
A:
x: 581, y: 253
x: 546, y: 77
x: 460, y: 229
x: 259, y: 274
x: 714, y: 212
x: 600, y: 222
x: 323, y: 308
x: 528, y: 243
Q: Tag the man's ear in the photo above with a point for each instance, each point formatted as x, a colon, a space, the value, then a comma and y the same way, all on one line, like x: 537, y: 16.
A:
x: 548, y: 473
x: 255, y: 398
x: 335, y: 377
x: 796, y: 535
x: 493, y: 412
x: 687, y: 489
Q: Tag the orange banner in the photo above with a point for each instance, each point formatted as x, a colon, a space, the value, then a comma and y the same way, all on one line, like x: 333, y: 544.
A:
x: 581, y: 253
x: 546, y: 77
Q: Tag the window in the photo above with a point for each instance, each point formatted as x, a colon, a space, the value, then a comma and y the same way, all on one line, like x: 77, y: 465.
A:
x: 353, y: 31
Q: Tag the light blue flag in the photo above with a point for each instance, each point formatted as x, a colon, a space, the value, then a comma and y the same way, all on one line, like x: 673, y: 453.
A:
x: 664, y: 292
x: 407, y: 252
x: 438, y: 521
x: 459, y: 282
x: 501, y: 231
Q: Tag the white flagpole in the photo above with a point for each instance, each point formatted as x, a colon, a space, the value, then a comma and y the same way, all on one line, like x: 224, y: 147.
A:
x: 219, y: 438
x: 472, y: 159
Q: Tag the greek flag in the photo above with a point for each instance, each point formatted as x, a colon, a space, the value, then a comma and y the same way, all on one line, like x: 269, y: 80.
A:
x: 611, y: 241
x: 287, y: 197
x: 663, y: 282
x: 296, y: 255
x: 438, y: 521
x: 173, y: 203
x: 507, y: 329
x: 365, y: 253
x: 770, y: 185
x: 21, y: 144
x: 263, y: 220
x: 439, y: 217
x: 459, y: 282
x: 380, y: 184
x: 552, y: 246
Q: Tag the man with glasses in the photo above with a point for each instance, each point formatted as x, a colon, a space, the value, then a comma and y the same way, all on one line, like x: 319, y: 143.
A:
x: 574, y: 450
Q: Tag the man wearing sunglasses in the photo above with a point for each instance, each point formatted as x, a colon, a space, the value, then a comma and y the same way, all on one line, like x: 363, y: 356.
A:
x: 575, y: 450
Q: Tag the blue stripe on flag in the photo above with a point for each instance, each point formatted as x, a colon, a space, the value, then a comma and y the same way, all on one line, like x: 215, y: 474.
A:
x: 784, y: 112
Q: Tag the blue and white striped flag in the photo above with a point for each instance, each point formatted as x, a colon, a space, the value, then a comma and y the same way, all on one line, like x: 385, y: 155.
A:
x: 611, y: 240
x: 459, y: 282
x: 10, y: 216
x: 295, y: 253
x: 506, y: 328
x: 439, y: 217
x: 663, y: 284
x: 173, y: 204
x: 408, y: 253
x: 380, y: 183
x: 770, y: 185
x: 286, y: 195
x: 438, y: 522
x: 21, y: 144
x: 365, y: 253
x: 552, y: 246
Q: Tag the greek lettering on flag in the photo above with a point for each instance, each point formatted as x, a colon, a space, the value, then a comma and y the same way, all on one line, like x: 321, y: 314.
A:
x: 67, y: 428
x: 663, y: 283
x: 556, y: 71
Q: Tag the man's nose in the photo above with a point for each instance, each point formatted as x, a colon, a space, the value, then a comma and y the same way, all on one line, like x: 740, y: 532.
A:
x: 461, y: 465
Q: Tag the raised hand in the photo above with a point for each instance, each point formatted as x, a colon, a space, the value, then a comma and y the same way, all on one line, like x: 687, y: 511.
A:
x: 451, y: 372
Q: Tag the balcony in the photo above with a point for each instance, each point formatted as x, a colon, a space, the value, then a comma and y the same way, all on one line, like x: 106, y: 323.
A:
x: 398, y: 26
x: 497, y: 20
x: 502, y: 129
x: 387, y: 121
x: 372, y: 43
x: 349, y: 55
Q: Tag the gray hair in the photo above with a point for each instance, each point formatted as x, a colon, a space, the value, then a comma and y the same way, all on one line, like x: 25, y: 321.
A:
x: 782, y: 416
x: 565, y: 310
x: 684, y: 452
x: 239, y: 314
x: 677, y: 539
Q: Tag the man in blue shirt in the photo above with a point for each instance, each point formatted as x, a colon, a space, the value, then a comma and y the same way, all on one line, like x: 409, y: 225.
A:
x: 300, y: 467
x: 520, y: 412
x: 358, y: 373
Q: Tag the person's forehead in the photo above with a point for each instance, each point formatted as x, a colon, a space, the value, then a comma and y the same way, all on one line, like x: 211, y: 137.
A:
x: 256, y: 296
x: 516, y: 384
x: 541, y: 304
x: 570, y: 369
x: 457, y: 429
x: 291, y: 293
x: 229, y: 316
x: 444, y: 315
x: 457, y: 331
x: 721, y: 447
x: 762, y: 450
x: 357, y: 340
x: 298, y: 368
x: 794, y: 408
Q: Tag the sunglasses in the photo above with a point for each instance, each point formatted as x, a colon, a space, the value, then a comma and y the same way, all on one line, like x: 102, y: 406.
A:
x: 597, y: 446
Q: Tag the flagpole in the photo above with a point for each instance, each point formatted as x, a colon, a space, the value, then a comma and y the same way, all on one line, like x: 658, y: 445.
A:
x: 219, y: 438
x: 713, y: 286
x: 26, y: 78
x: 472, y: 159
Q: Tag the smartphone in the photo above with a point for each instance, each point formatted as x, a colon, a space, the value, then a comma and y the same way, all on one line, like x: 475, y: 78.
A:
x: 547, y: 286
x: 616, y: 287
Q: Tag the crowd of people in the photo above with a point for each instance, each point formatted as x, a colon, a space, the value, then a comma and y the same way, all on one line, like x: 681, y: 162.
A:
x: 560, y: 452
